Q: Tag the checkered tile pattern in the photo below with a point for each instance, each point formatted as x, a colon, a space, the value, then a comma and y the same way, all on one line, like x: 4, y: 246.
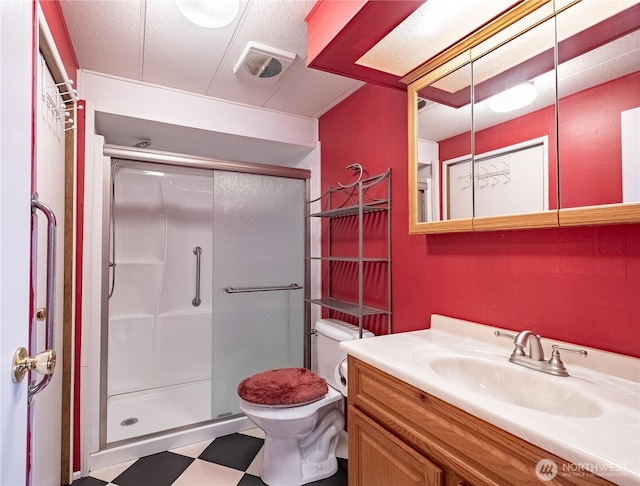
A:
x: 231, y: 460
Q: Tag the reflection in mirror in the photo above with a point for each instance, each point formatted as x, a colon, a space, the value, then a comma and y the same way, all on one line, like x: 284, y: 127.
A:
x: 445, y: 178
x: 599, y: 103
x: 514, y: 126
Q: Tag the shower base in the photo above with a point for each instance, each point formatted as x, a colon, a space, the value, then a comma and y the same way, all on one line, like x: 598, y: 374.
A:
x: 149, y: 411
x: 135, y: 449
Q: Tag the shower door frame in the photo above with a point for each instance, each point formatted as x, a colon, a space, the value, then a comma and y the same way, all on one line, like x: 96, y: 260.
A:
x: 115, y: 152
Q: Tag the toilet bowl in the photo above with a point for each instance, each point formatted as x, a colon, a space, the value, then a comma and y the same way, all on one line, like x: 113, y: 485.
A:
x: 288, y: 459
x: 301, y: 438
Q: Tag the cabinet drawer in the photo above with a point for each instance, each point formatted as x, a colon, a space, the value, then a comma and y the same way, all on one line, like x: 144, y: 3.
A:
x: 457, y: 442
x: 381, y: 459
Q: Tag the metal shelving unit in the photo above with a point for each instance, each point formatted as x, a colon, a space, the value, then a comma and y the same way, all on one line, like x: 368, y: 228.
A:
x: 356, y: 201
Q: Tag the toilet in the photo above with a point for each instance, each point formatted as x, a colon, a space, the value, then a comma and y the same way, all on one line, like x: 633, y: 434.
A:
x: 300, y: 411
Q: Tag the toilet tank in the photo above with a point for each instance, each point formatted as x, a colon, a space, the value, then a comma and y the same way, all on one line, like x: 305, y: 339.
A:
x: 330, y: 333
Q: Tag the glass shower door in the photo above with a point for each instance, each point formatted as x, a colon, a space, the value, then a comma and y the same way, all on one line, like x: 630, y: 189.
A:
x: 179, y: 340
x: 159, y: 215
x: 258, y: 244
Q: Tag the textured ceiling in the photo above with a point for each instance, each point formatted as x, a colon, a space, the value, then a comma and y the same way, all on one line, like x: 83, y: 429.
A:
x: 429, y: 30
x: 150, y: 41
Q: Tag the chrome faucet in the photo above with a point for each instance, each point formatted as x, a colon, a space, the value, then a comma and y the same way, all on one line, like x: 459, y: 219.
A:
x: 535, y: 360
x: 535, y: 348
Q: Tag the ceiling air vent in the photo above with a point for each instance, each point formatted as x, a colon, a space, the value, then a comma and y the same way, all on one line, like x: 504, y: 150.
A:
x: 263, y: 62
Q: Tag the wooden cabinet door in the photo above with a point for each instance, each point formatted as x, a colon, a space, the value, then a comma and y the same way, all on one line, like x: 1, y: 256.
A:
x: 378, y: 458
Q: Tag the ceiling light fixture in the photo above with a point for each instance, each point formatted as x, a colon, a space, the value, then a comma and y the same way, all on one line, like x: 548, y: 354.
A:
x: 209, y: 13
x: 514, y: 98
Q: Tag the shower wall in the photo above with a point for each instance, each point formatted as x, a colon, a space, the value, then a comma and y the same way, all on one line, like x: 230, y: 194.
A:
x: 171, y: 363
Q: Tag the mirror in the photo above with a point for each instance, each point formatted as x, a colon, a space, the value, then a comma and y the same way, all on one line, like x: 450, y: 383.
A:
x: 515, y: 170
x: 444, y: 175
x: 599, y: 103
x: 515, y: 159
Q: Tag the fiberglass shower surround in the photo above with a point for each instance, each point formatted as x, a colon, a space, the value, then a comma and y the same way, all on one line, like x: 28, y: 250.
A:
x: 178, y: 343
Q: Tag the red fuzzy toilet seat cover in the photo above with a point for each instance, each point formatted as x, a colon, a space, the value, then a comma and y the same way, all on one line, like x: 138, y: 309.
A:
x: 285, y: 386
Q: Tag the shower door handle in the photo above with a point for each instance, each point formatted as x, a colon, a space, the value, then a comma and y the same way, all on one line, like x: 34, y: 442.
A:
x: 197, y: 251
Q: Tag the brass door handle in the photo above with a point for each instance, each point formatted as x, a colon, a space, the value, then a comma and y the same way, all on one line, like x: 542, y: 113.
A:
x: 43, y: 363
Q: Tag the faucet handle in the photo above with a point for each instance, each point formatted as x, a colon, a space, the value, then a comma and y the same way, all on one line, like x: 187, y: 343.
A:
x: 556, y: 365
x: 556, y: 347
x: 504, y: 334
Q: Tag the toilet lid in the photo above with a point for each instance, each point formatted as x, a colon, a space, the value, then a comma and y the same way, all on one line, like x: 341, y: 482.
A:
x: 282, y: 387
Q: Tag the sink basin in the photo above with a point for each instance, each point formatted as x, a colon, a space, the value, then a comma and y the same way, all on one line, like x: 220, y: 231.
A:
x: 507, y: 382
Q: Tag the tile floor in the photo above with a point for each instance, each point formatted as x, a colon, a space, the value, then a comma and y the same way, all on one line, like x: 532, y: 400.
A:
x: 231, y: 460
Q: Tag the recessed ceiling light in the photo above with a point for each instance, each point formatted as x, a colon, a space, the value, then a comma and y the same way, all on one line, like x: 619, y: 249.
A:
x: 209, y: 13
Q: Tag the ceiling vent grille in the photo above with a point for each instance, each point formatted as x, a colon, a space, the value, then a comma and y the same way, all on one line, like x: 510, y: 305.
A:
x: 263, y: 62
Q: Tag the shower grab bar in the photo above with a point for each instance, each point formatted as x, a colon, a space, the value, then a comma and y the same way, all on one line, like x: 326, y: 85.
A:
x: 197, y: 251
x: 238, y: 290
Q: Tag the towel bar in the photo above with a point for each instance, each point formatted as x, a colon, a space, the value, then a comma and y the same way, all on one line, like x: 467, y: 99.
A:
x: 232, y: 290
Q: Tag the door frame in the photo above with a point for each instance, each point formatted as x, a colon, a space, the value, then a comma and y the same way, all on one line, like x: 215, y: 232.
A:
x: 45, y: 44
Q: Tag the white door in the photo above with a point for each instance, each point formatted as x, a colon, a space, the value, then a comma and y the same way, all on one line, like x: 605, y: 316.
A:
x: 16, y: 19
x: 46, y: 407
x: 512, y: 182
x: 458, y: 189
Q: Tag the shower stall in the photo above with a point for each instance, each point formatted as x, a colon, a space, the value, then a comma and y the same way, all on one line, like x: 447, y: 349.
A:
x: 204, y: 285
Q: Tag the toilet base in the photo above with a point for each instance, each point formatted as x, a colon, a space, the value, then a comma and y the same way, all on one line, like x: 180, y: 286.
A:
x: 293, y: 461
x: 283, y: 466
x: 318, y: 471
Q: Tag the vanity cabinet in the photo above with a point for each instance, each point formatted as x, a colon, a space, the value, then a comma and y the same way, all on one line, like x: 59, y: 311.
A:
x: 383, y: 459
x: 400, y: 435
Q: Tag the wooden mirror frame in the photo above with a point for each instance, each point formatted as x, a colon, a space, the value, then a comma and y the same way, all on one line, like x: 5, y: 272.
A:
x: 488, y: 38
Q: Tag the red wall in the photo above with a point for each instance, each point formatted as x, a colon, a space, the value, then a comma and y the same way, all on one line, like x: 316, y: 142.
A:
x: 58, y: 27
x: 580, y: 285
x: 590, y: 143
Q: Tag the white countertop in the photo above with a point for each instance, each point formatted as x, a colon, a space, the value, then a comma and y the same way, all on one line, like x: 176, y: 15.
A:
x: 607, y: 444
